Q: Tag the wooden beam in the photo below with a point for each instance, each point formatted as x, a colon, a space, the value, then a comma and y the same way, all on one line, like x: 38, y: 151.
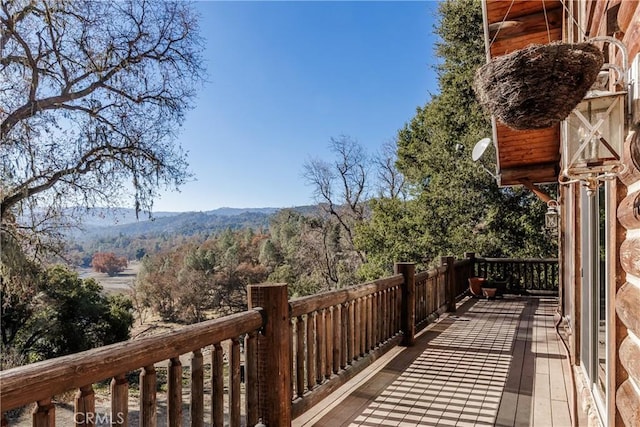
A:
x: 528, y: 24
x: 537, y: 173
x: 505, y: 10
x: 537, y: 191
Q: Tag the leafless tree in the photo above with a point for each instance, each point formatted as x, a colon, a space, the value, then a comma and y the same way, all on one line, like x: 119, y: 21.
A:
x: 341, y: 187
x: 92, y: 94
x: 391, y: 182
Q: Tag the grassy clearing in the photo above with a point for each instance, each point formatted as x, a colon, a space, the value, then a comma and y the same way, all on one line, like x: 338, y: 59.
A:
x: 121, y: 283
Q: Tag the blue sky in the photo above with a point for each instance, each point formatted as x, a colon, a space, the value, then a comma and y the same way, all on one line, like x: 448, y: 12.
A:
x: 285, y: 77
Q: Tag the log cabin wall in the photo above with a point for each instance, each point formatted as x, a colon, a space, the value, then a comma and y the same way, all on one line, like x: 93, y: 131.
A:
x: 621, y: 19
x: 627, y: 302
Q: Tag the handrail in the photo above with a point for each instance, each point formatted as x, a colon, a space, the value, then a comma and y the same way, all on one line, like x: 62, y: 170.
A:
x: 519, y: 260
x: 338, y: 333
x: 42, y: 380
x: 308, y: 304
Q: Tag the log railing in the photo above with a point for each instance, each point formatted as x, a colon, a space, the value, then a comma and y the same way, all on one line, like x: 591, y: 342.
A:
x: 40, y: 382
x: 521, y: 275
x: 430, y: 291
x: 335, y: 333
x: 295, y: 352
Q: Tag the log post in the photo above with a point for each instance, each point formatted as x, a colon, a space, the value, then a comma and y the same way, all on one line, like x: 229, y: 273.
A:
x: 450, y: 283
x: 85, y: 407
x: 274, y: 353
x: 408, y: 306
x: 44, y: 414
x: 120, y: 401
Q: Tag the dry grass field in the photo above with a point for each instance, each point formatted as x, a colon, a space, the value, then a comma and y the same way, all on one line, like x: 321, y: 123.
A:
x: 121, y: 283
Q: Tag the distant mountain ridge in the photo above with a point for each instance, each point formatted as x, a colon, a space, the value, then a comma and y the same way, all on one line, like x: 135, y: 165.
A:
x: 109, y: 217
x: 112, y: 222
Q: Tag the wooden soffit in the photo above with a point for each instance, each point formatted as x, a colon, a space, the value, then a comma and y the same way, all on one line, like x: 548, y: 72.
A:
x: 529, y: 156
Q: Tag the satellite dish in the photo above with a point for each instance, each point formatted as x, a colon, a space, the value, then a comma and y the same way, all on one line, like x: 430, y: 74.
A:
x: 480, y: 148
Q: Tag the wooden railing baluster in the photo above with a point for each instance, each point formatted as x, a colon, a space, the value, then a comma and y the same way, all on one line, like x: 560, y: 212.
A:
x: 251, y: 378
x: 369, y: 343
x: 344, y: 331
x: 321, y: 345
x: 352, y: 332
x: 148, y: 415
x: 385, y: 313
x: 234, y: 383
x: 311, y: 351
x: 119, y: 400
x: 292, y: 368
x: 328, y: 357
x: 174, y: 392
x: 84, y: 407
x: 357, y: 329
x: 392, y: 312
x: 336, y: 318
x: 376, y: 319
x: 44, y: 414
x: 197, y: 389
x: 217, y: 385
x: 300, y: 341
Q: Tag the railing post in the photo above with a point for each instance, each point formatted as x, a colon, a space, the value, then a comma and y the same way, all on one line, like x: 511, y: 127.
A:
x: 274, y: 353
x: 472, y: 263
x: 408, y: 307
x: 119, y: 400
x: 84, y: 407
x: 44, y: 414
x: 450, y: 286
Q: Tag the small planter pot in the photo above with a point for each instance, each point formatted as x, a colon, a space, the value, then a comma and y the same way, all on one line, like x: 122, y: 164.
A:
x: 489, y: 293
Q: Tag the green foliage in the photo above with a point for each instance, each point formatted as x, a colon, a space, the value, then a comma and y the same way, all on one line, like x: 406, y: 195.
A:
x: 198, y: 279
x: 455, y: 205
x: 63, y: 314
x: 314, y: 251
x: 140, y: 253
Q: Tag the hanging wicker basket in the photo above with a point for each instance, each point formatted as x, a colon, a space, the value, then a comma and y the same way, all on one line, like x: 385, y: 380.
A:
x: 538, y: 86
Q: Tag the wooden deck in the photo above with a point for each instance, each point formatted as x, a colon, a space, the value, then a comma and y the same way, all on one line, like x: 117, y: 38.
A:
x: 496, y: 362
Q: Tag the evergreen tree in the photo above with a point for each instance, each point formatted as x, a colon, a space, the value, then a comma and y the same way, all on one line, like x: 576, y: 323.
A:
x: 455, y: 206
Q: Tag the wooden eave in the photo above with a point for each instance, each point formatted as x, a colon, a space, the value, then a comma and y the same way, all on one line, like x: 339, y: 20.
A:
x: 530, y: 156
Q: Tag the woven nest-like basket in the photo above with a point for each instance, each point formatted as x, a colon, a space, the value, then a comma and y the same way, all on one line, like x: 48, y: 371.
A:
x: 538, y: 86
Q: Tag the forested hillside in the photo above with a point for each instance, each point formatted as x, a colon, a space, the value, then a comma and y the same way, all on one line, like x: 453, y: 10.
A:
x: 132, y: 237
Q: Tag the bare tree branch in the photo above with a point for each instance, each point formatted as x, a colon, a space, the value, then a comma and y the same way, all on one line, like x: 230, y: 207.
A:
x: 91, y: 97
